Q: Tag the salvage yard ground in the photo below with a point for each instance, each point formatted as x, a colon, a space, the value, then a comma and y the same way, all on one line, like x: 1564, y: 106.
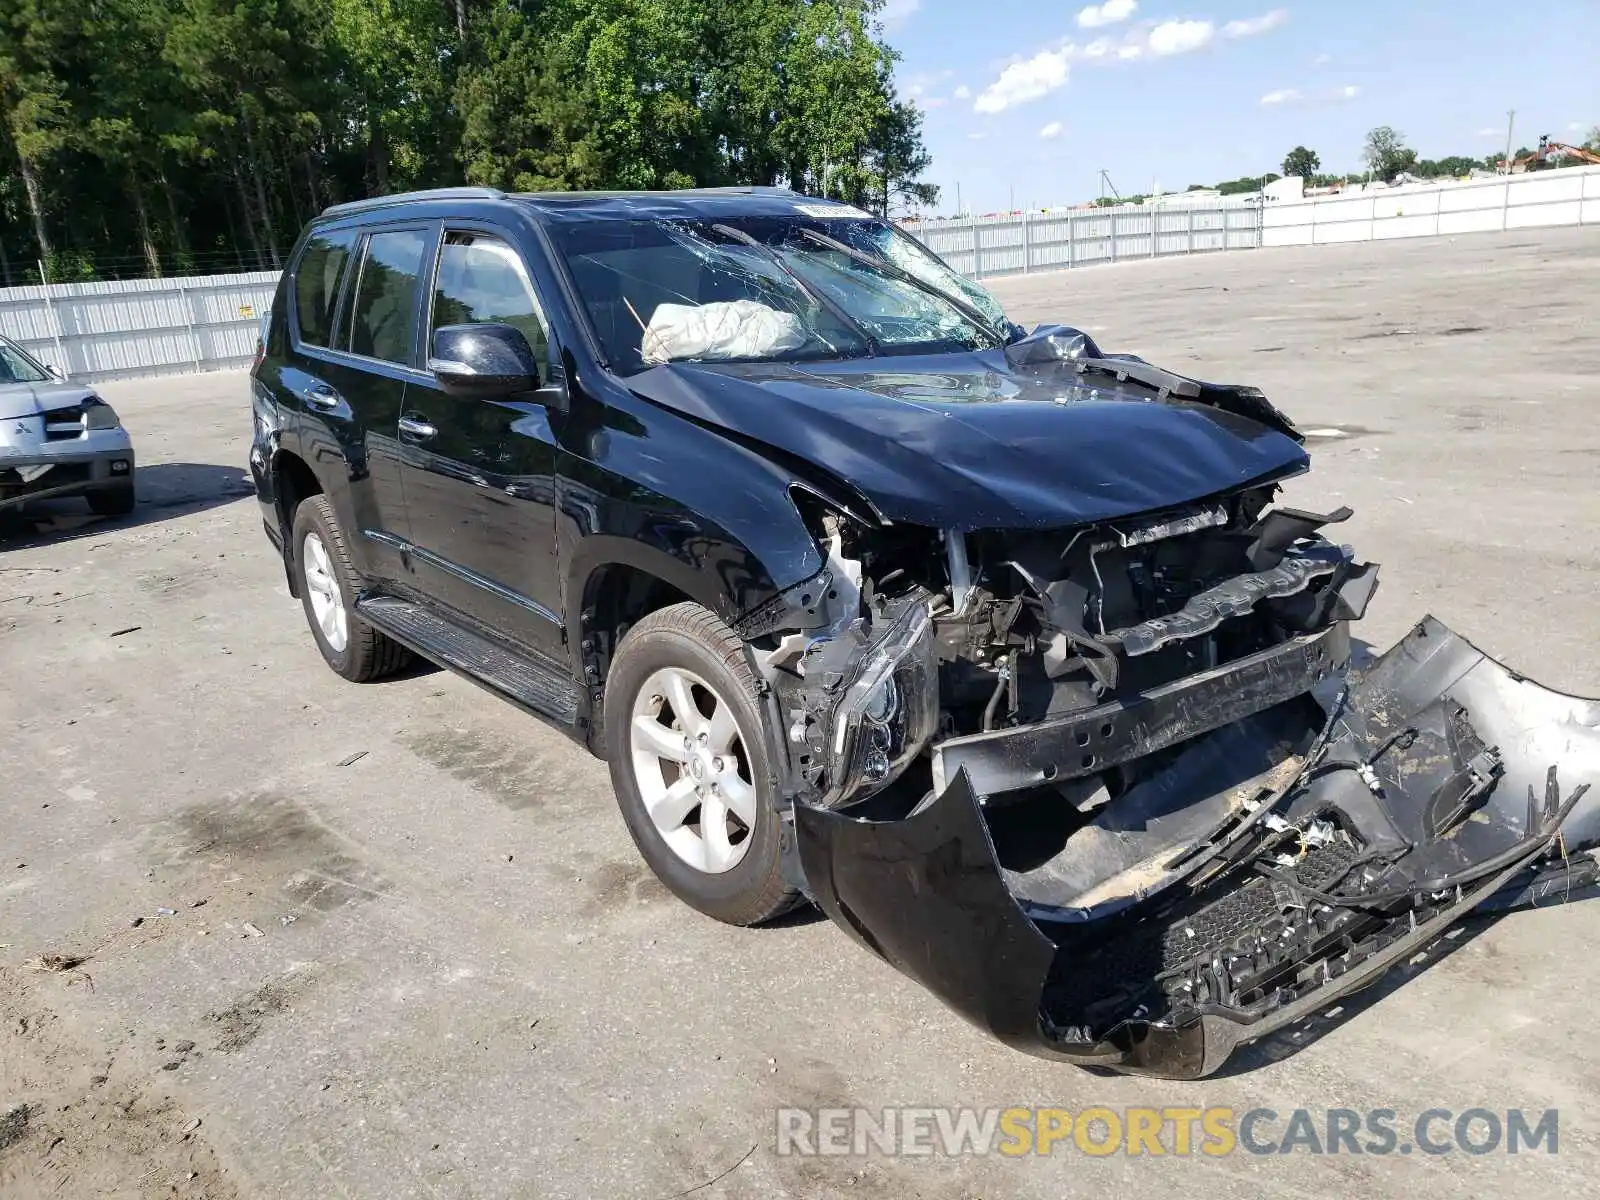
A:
x: 393, y: 941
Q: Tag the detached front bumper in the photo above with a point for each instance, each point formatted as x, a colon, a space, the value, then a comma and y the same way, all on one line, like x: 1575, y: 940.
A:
x: 1434, y: 787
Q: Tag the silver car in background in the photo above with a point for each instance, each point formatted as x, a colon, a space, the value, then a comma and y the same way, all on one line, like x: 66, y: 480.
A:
x: 59, y: 438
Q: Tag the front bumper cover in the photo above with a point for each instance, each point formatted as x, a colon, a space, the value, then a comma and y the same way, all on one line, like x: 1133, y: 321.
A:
x: 1460, y: 802
x: 32, y: 467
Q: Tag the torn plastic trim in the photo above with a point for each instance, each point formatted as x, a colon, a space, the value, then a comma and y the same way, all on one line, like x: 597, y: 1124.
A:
x: 1157, y: 529
x: 926, y: 892
x: 1093, y: 739
x: 1235, y: 597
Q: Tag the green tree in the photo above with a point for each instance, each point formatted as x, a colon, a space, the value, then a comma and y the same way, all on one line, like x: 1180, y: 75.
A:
x: 522, y: 109
x: 1246, y: 183
x: 900, y: 159
x: 393, y: 57
x: 1385, y: 153
x: 1301, y: 162
x: 33, y: 106
x: 152, y: 135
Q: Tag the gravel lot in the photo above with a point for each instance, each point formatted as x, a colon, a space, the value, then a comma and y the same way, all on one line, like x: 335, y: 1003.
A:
x: 482, y: 993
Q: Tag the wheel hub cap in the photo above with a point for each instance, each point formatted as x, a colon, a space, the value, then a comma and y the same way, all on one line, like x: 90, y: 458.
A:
x: 691, y: 769
x: 322, y: 589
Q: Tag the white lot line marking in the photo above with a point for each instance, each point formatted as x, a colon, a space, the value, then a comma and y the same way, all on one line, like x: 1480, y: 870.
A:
x: 1327, y: 431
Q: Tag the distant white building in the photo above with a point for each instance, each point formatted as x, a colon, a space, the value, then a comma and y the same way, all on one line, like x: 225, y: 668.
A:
x: 1290, y: 187
x: 1198, y: 196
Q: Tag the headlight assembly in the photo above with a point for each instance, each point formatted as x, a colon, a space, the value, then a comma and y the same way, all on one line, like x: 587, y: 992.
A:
x: 99, y: 415
x: 888, y: 709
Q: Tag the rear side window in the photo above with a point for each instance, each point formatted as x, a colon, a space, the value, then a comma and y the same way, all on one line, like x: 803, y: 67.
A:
x: 316, y: 284
x: 482, y: 279
x: 386, y: 295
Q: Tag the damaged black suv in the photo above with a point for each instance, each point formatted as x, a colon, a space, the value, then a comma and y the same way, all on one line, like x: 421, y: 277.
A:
x: 992, y: 644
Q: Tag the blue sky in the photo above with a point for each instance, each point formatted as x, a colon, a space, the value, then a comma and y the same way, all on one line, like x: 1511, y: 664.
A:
x: 1039, y: 97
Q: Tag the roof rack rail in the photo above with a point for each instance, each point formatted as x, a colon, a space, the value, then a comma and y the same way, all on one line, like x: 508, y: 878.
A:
x: 746, y: 189
x: 444, y: 193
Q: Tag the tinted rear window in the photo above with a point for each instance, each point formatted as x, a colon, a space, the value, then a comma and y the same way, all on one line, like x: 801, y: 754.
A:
x: 316, y: 284
x: 386, y: 302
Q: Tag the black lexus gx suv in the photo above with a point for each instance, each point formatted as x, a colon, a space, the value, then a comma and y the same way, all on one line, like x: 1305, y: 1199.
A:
x: 994, y: 645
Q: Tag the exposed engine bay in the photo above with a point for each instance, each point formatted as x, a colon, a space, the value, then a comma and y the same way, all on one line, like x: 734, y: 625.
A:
x: 935, y: 638
x: 1117, y: 792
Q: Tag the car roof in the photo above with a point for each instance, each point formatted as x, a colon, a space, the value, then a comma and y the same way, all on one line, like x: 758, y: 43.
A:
x: 684, y: 204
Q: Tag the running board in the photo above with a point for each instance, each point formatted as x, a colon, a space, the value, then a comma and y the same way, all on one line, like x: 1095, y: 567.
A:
x: 527, y: 682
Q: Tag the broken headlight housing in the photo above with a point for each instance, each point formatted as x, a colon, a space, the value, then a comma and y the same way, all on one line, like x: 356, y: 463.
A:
x: 888, y: 707
x: 97, y: 414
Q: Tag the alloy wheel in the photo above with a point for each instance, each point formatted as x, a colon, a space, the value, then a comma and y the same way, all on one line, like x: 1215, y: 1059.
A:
x: 692, y: 770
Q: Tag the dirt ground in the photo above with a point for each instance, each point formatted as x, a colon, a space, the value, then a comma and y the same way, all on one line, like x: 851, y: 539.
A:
x: 266, y: 934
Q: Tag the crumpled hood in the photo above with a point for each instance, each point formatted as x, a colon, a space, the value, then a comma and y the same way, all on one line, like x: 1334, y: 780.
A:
x: 31, y: 399
x: 973, y: 441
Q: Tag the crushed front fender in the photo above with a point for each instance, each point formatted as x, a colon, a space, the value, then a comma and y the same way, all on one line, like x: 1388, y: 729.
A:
x: 1434, y: 783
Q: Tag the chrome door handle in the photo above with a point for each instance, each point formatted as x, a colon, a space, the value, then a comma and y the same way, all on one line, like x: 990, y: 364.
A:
x: 322, y: 396
x: 417, y: 428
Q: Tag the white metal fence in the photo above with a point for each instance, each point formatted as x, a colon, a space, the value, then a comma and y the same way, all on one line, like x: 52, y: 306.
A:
x: 140, y: 326
x: 1570, y: 196
x: 1051, y: 241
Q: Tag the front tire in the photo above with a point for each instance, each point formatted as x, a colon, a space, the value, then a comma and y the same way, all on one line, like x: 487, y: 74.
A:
x: 114, y: 501
x: 688, y: 756
x: 328, y: 586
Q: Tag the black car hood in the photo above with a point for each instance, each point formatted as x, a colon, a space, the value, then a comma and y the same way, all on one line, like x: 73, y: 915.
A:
x: 973, y: 441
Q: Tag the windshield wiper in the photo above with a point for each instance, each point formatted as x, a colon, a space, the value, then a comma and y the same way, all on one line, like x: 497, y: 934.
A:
x: 839, y: 314
x: 905, y: 276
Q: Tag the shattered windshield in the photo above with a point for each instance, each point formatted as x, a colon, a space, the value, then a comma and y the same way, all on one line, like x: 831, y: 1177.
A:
x: 17, y: 367
x: 905, y: 252
x: 754, y: 289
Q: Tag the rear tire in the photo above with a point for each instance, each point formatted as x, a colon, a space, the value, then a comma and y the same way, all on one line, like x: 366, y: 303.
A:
x: 694, y: 787
x: 328, y: 586
x: 114, y: 501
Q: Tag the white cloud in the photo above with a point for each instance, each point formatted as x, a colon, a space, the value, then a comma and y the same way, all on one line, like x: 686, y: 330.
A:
x: 920, y: 83
x: 1179, y: 37
x: 977, y: 137
x: 1322, y: 60
x: 896, y: 13
x: 1108, y: 13
x: 963, y: 92
x: 1284, y: 97
x: 1027, y: 80
x: 1575, y: 127
x: 1251, y: 26
x: 1052, y: 131
x: 1489, y: 131
x: 929, y: 103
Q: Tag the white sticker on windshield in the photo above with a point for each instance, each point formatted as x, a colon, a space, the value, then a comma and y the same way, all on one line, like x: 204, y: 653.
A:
x: 832, y: 210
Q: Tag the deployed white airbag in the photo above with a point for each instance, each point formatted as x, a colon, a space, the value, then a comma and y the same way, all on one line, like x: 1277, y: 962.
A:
x: 722, y: 329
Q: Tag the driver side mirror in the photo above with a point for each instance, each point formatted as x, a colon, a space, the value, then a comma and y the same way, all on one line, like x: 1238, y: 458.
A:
x: 55, y: 371
x: 487, y: 361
